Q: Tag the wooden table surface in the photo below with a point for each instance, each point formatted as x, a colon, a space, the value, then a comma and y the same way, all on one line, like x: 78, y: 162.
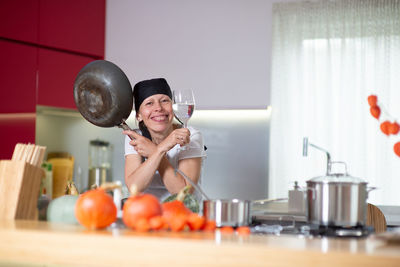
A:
x: 35, y: 243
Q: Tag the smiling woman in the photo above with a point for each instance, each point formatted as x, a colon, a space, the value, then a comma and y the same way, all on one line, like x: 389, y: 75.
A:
x: 152, y: 154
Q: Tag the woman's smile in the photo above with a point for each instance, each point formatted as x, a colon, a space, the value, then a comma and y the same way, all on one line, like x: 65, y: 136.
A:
x: 160, y: 118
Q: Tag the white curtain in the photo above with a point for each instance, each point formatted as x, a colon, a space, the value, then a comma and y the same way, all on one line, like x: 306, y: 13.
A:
x: 327, y: 57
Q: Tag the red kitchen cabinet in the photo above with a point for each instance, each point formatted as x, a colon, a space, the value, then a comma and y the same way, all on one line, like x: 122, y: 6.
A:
x: 19, y: 20
x: 57, y: 73
x: 43, y: 45
x: 18, y: 77
x: 16, y: 128
x: 73, y: 25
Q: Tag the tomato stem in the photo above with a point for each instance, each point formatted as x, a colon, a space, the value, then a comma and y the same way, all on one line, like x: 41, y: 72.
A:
x: 184, y: 191
x: 108, y: 186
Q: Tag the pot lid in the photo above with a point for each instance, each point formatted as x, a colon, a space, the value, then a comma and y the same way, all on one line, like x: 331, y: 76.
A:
x: 337, y: 177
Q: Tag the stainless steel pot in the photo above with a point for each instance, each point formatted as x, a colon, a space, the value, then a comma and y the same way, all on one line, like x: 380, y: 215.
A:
x: 227, y: 212
x: 337, y: 199
x: 231, y: 212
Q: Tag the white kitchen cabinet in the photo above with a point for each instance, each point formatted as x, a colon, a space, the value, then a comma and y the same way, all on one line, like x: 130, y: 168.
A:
x: 220, y: 49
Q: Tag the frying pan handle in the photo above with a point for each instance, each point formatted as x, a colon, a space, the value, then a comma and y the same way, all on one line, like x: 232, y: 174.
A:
x: 125, y: 126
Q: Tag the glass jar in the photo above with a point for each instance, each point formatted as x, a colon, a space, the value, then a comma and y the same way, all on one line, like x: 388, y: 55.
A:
x: 99, y: 163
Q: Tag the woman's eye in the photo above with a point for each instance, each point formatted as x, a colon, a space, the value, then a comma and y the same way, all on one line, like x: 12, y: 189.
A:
x: 148, y: 103
x: 165, y: 100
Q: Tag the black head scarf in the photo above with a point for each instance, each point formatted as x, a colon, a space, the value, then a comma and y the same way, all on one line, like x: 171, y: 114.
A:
x: 143, y: 90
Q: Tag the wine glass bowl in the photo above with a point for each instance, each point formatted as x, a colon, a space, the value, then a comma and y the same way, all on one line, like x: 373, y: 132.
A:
x: 183, y: 105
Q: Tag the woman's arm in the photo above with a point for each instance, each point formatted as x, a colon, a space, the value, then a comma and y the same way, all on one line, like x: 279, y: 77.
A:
x: 141, y: 173
x: 173, y: 181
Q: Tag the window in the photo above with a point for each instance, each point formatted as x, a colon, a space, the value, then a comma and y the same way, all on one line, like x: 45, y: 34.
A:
x: 328, y: 56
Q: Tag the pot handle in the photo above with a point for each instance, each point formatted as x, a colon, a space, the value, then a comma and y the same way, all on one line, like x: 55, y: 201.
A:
x: 369, y: 189
x: 329, y: 172
x: 262, y: 201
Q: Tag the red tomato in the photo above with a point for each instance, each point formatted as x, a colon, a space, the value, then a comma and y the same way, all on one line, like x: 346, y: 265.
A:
x: 227, y: 229
x: 195, y: 221
x: 142, y: 225
x: 209, y: 226
x: 243, y: 230
x: 156, y: 222
x: 95, y: 209
x: 142, y: 206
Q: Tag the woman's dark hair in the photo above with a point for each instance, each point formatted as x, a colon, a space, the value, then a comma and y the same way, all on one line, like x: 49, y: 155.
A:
x: 144, y: 130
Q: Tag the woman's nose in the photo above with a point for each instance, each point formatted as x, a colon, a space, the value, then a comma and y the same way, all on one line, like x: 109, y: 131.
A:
x: 157, y: 106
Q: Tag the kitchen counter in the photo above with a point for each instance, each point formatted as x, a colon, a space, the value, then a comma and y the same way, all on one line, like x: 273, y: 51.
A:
x: 35, y: 243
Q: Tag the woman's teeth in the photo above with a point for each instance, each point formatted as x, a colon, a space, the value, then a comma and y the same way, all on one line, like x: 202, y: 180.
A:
x: 160, y: 118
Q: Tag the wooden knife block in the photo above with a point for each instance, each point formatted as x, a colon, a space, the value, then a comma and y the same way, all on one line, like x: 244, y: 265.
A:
x: 19, y: 189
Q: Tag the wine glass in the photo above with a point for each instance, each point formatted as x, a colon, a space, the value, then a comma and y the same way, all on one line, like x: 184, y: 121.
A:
x: 183, y: 105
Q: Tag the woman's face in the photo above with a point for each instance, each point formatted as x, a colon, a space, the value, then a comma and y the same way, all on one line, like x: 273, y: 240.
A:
x: 156, y: 113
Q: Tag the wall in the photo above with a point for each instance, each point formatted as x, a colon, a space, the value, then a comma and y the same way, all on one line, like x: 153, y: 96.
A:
x: 220, y: 49
x: 236, y: 140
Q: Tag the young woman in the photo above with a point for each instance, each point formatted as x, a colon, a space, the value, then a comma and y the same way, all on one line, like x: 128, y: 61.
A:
x: 153, y: 153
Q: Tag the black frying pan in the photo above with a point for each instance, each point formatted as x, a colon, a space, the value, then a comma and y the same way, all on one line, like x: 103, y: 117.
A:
x: 103, y: 94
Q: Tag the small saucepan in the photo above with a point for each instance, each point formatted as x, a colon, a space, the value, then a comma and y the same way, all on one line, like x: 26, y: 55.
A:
x: 231, y: 212
x: 226, y: 212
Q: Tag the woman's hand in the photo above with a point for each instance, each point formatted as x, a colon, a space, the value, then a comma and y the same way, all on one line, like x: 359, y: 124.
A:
x: 178, y: 136
x: 143, y: 146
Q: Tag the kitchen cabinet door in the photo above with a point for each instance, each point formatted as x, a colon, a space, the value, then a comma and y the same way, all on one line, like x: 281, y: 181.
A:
x: 16, y: 128
x: 57, y: 73
x: 73, y: 25
x: 18, y: 77
x: 19, y: 20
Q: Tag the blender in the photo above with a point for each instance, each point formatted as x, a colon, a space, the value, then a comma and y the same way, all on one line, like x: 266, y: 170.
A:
x: 99, y: 163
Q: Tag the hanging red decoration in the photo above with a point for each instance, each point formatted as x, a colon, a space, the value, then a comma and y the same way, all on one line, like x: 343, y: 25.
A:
x: 394, y: 128
x: 372, y: 100
x: 375, y: 112
x: 396, y: 148
x: 387, y: 127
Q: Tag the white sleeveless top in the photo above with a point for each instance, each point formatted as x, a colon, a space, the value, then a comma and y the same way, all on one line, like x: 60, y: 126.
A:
x: 195, y: 149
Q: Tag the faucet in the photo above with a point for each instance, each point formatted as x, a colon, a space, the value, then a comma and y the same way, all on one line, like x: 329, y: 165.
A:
x: 328, y: 156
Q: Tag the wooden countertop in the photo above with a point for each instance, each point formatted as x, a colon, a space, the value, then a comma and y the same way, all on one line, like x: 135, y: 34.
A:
x: 38, y: 243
